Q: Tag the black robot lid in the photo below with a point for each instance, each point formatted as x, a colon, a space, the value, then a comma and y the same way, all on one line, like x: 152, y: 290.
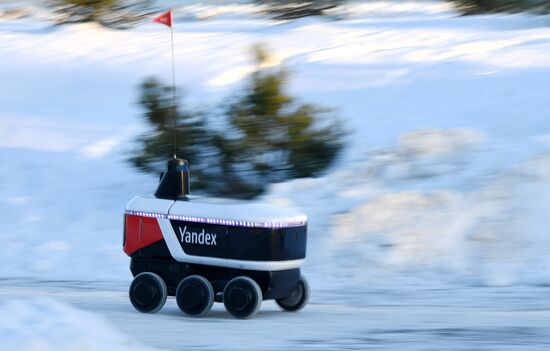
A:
x: 174, y: 182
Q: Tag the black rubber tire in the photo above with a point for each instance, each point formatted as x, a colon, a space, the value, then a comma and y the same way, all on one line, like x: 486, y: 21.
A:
x: 242, y: 297
x: 298, y: 298
x: 195, y: 296
x: 148, y: 292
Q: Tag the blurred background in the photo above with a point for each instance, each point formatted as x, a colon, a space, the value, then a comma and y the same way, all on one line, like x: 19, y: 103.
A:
x: 414, y: 134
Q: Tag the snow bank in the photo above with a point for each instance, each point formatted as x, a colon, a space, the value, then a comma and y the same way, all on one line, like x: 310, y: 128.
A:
x: 413, y: 213
x: 349, y: 10
x: 46, y: 324
x: 397, y: 8
x: 64, y: 213
x: 207, y: 11
x: 194, y: 10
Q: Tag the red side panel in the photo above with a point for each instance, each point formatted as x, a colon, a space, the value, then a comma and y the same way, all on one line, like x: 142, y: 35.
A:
x: 131, y: 234
x: 150, y: 231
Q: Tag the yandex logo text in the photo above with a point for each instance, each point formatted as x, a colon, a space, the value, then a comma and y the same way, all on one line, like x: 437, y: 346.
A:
x: 201, y: 237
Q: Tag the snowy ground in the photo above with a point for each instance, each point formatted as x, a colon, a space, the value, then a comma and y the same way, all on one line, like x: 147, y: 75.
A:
x: 433, y: 222
x: 463, y: 319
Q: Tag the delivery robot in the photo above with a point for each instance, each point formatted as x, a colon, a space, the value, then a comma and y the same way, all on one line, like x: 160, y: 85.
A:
x: 206, y: 250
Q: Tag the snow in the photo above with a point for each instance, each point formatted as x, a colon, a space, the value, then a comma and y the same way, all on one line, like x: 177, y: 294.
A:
x: 430, y: 211
x: 423, y: 77
x: 44, y: 324
x: 444, y: 183
x: 458, y: 319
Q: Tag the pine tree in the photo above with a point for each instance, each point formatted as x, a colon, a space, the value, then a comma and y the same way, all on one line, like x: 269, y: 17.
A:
x: 470, y: 7
x: 265, y: 136
x: 272, y: 137
x: 118, y: 14
x: 157, y: 146
x: 293, y: 9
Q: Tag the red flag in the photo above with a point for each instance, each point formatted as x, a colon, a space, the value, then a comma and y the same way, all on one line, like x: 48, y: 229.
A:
x: 165, y: 18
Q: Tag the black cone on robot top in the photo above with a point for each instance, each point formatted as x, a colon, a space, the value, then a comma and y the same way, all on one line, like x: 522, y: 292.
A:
x: 174, y: 182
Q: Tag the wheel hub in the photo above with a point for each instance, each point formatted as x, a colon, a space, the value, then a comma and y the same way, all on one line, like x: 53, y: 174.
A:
x: 144, y: 293
x: 193, y: 296
x: 239, y: 298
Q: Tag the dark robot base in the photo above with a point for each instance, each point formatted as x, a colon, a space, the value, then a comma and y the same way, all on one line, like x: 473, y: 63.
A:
x: 204, y: 250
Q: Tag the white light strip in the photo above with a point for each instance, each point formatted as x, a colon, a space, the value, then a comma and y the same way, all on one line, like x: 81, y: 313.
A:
x: 227, y: 222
